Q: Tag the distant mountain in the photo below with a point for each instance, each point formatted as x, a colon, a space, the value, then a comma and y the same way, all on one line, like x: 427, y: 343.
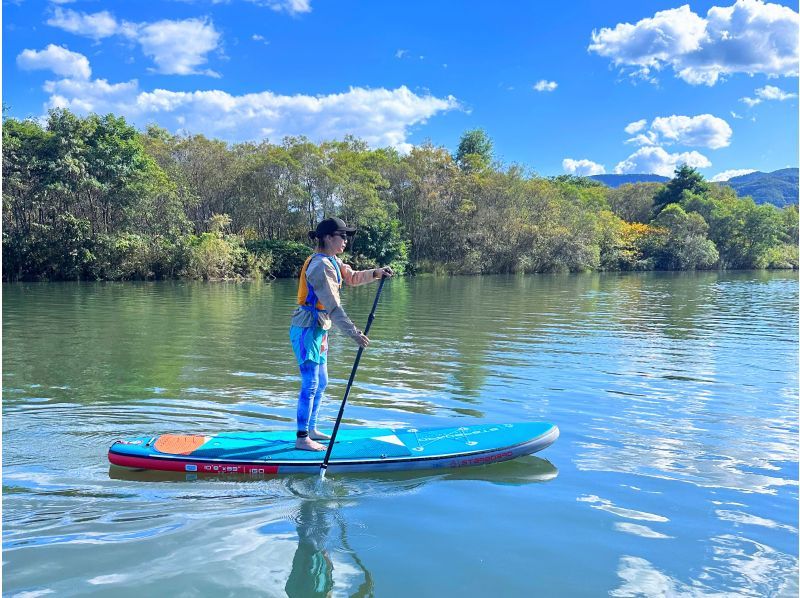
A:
x: 615, y: 180
x: 779, y: 188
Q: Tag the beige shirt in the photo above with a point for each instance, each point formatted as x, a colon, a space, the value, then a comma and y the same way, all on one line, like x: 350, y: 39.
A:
x: 321, y: 274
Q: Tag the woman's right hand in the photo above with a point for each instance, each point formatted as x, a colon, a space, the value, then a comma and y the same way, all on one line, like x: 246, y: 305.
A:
x: 362, y: 340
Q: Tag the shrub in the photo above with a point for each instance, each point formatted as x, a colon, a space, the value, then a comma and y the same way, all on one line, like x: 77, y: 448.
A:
x: 285, y: 258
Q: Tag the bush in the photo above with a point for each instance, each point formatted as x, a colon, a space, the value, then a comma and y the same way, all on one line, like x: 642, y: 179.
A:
x: 783, y: 257
x: 285, y: 258
x: 379, y: 244
x: 211, y: 257
x: 57, y: 251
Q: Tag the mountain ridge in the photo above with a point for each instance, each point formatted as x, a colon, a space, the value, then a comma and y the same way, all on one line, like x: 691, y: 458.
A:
x: 779, y: 187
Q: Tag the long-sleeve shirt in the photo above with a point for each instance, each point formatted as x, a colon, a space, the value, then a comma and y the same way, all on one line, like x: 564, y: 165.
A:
x: 321, y: 274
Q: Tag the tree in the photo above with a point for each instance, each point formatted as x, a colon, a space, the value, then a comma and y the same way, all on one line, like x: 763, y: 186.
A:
x: 474, y: 150
x: 686, y: 246
x: 633, y: 202
x: 686, y: 179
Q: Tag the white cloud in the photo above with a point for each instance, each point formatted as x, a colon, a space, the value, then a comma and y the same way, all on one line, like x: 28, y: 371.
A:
x: 292, y: 7
x: 97, y: 95
x: 636, y: 126
x: 770, y: 92
x: 750, y: 37
x: 58, y: 59
x: 729, y: 174
x: 381, y: 117
x: 97, y: 25
x: 582, y: 167
x: 260, y: 38
x: 176, y: 47
x: 737, y: 116
x: 648, y: 138
x: 656, y: 160
x: 703, y: 130
x: 545, y: 85
x: 400, y: 53
x: 750, y: 101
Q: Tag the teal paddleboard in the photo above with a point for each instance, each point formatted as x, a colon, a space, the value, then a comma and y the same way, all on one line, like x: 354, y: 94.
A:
x: 355, y: 450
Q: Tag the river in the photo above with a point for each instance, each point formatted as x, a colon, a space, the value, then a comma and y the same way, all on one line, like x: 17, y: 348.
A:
x: 676, y: 472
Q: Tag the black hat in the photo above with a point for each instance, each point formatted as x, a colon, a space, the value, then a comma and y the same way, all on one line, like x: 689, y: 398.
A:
x: 330, y: 226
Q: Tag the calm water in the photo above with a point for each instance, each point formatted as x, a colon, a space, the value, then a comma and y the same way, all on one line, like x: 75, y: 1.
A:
x: 676, y: 472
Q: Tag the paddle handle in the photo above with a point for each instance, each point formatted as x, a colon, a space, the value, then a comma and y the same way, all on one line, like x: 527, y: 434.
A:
x: 324, y: 465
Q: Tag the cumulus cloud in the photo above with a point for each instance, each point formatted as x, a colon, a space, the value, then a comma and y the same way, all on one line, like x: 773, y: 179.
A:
x: 97, y: 25
x: 636, y: 126
x: 729, y: 174
x: 770, y: 92
x: 176, y: 47
x: 582, y: 167
x: 751, y: 37
x: 545, y: 85
x: 382, y: 117
x: 703, y: 130
x: 58, y: 59
x: 766, y: 93
x: 656, y: 160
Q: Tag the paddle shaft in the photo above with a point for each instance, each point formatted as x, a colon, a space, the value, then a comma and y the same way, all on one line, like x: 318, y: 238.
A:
x: 324, y: 465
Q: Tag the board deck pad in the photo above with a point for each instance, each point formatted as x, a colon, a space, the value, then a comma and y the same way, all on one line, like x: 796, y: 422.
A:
x: 356, y: 449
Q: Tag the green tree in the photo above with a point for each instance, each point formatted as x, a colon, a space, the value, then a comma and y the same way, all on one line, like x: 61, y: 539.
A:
x: 686, y: 179
x: 633, y: 202
x: 474, y: 150
x: 686, y: 246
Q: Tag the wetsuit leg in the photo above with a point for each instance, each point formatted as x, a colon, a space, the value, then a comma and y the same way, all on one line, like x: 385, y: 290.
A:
x: 322, y: 382
x: 309, y: 381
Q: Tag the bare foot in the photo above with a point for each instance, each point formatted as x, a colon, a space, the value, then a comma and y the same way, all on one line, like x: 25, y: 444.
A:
x: 306, y: 444
x: 317, y: 435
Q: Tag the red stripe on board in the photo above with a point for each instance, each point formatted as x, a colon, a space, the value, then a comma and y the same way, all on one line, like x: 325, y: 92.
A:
x: 187, y: 466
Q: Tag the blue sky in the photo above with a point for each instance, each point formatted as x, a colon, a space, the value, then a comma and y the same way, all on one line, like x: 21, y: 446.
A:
x: 583, y: 87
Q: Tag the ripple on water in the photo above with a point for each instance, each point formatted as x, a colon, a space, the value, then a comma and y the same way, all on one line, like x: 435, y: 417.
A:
x: 676, y: 396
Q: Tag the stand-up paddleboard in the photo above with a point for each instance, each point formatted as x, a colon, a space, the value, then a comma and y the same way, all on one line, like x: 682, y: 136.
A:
x: 355, y: 450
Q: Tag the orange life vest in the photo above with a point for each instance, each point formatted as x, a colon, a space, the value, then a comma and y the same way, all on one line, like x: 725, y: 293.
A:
x: 306, y: 297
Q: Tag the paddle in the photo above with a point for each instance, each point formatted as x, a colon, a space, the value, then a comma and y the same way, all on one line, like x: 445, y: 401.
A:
x: 324, y: 465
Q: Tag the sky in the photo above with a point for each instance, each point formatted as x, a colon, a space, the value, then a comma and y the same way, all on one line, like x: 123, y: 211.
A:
x: 580, y: 87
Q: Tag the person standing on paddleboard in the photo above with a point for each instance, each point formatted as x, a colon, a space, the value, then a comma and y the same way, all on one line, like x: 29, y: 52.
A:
x: 319, y: 305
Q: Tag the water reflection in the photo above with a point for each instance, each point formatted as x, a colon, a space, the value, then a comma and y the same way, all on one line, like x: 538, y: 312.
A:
x: 741, y: 567
x: 676, y: 395
x: 325, y: 560
x: 528, y: 469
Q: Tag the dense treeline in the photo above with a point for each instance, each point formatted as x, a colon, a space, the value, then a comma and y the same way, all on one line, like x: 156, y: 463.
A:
x: 93, y: 198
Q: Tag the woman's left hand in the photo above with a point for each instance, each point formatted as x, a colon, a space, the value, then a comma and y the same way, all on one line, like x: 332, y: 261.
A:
x: 386, y: 271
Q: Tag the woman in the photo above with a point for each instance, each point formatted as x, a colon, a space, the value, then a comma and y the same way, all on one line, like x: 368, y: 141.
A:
x: 321, y: 278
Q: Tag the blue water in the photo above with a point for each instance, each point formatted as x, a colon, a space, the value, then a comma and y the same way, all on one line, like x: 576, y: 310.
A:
x: 676, y: 472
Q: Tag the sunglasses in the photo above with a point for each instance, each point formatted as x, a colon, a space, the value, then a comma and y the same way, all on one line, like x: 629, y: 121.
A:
x: 341, y: 234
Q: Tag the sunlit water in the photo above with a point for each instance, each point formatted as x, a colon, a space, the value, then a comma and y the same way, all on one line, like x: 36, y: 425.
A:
x: 675, y: 474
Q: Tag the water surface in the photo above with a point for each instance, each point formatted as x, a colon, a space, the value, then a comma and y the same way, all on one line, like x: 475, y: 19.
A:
x: 675, y: 474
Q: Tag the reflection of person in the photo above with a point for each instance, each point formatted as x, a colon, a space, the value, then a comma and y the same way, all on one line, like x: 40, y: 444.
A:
x: 312, y: 566
x: 321, y: 278
x: 312, y: 569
